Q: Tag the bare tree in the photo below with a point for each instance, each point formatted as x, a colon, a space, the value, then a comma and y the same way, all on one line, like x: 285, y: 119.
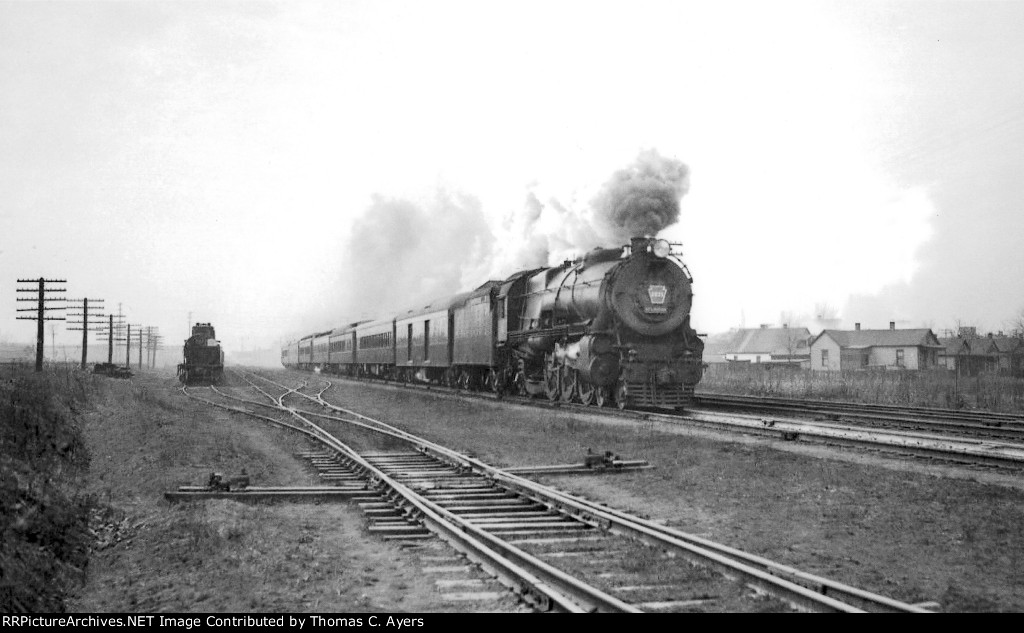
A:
x: 790, y: 318
x: 1017, y: 323
x: 825, y: 311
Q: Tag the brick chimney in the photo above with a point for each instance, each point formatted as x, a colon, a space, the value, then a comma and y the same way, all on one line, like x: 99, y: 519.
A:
x: 892, y: 325
x: 856, y: 326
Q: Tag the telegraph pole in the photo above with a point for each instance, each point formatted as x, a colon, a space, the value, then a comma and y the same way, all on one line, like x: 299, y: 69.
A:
x: 84, y: 315
x: 40, y: 311
x: 128, y: 345
x: 140, y: 347
x: 110, y: 342
x: 114, y: 333
x: 158, y: 344
x: 152, y: 339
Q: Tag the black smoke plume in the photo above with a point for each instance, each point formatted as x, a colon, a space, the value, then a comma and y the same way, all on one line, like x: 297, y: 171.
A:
x: 643, y: 198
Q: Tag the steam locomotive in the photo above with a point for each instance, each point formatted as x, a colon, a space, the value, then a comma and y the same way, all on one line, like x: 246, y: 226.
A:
x: 204, y: 358
x: 613, y: 326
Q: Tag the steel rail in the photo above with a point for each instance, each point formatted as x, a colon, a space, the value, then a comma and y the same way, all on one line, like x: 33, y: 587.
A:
x: 971, y: 451
x: 774, y: 578
x: 922, y: 419
x: 933, y: 412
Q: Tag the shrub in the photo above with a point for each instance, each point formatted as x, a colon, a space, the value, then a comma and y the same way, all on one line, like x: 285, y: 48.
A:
x: 942, y: 389
x: 43, y: 521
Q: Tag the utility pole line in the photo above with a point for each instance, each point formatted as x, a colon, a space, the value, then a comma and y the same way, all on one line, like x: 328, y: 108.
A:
x: 84, y: 315
x: 41, y: 310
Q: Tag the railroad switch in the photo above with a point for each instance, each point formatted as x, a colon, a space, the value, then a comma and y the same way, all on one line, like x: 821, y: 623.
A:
x: 219, y: 483
x: 597, y: 460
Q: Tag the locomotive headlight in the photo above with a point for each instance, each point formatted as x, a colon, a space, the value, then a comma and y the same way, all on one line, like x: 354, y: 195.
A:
x: 661, y: 248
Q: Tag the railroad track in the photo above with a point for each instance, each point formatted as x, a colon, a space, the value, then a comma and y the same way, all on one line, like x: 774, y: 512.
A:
x: 979, y: 424
x: 928, y: 443
x: 538, y: 541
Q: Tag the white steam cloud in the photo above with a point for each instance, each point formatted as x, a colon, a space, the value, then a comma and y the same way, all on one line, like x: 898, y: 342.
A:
x: 401, y: 253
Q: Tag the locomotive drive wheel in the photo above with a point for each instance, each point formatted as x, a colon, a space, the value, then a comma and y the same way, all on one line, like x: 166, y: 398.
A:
x: 586, y: 392
x: 569, y: 384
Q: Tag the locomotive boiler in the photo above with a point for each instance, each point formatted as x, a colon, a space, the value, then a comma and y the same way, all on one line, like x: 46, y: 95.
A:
x: 204, y: 358
x: 612, y: 325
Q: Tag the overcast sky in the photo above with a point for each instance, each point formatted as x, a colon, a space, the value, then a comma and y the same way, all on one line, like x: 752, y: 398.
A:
x: 228, y: 158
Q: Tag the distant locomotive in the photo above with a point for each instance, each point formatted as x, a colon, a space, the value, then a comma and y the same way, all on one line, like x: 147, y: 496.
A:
x: 613, y: 326
x: 204, y: 358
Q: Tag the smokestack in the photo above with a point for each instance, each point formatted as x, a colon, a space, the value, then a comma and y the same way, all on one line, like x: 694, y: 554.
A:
x: 892, y: 325
x: 856, y: 326
x: 638, y: 244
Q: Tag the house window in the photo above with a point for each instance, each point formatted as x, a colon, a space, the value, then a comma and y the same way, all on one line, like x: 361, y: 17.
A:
x: 899, y: 358
x: 824, y: 358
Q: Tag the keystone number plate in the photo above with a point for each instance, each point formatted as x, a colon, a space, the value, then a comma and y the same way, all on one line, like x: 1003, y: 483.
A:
x: 657, y: 294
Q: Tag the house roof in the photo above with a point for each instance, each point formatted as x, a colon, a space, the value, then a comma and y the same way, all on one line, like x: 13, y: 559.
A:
x: 979, y: 345
x: 922, y: 337
x: 776, y: 341
x: 953, y: 346
x: 719, y: 344
x: 1008, y: 344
